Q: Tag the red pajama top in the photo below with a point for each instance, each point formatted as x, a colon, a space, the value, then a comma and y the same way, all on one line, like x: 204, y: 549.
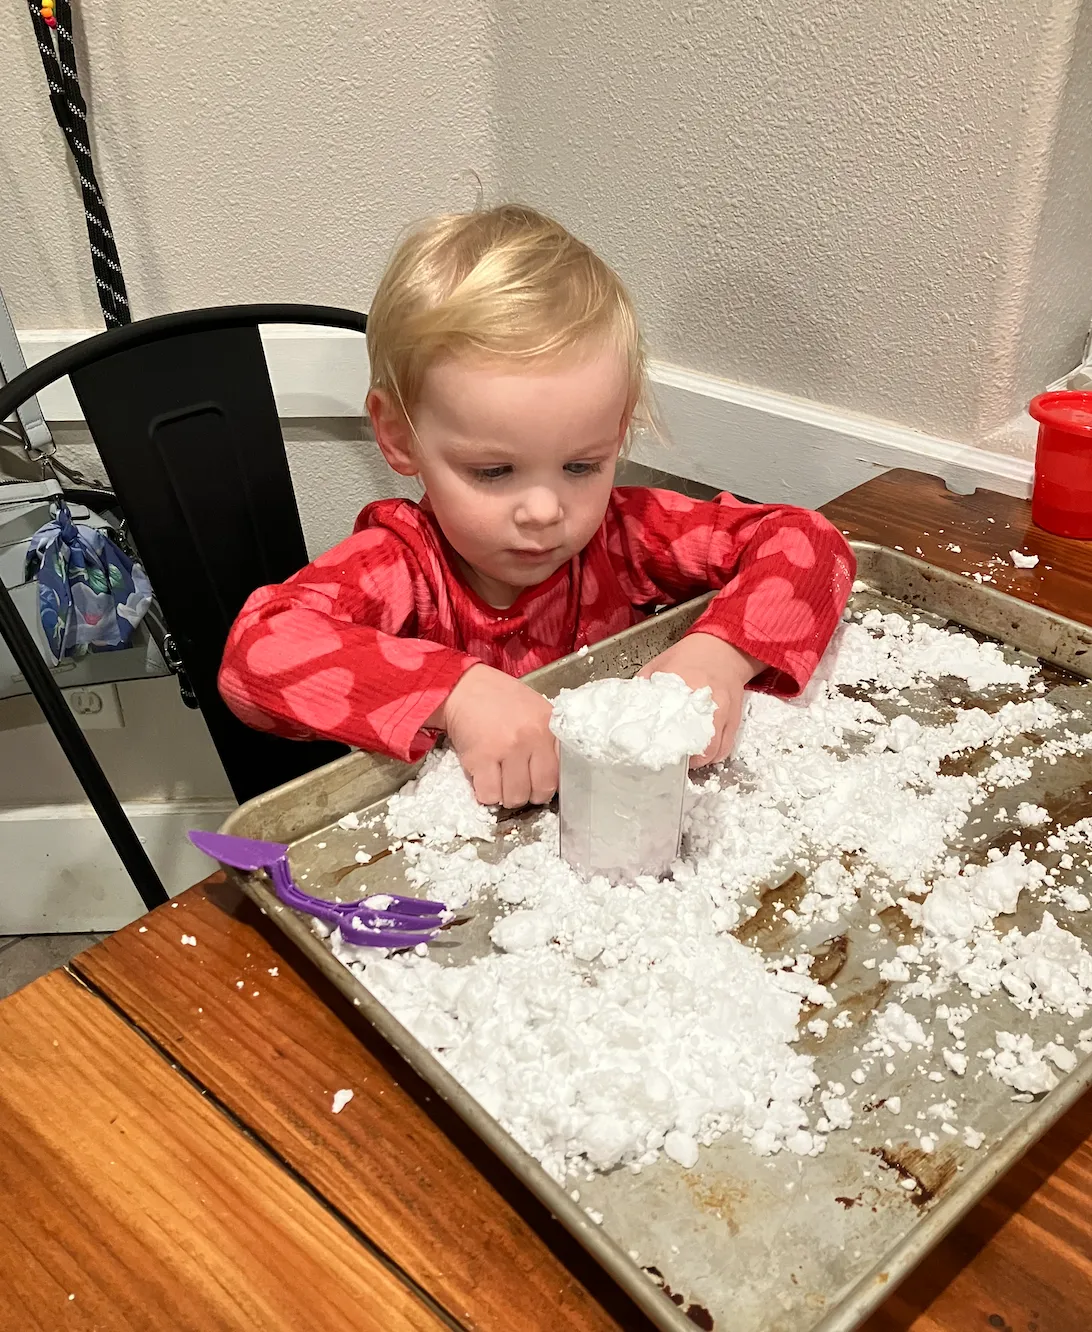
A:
x: 368, y: 640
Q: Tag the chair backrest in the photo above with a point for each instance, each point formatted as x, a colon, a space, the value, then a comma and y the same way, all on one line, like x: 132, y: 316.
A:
x: 182, y: 412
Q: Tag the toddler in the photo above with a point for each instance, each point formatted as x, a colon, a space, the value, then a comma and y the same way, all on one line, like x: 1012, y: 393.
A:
x: 507, y: 371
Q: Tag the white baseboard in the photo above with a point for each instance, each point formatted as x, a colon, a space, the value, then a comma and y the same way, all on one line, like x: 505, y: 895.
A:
x: 772, y: 447
x: 58, y: 871
x: 768, y: 446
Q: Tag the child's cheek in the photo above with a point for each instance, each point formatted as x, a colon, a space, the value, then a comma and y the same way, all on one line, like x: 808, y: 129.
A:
x: 594, y: 507
x: 478, y: 514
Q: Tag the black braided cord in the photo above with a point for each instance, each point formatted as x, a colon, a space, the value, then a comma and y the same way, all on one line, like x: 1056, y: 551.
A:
x: 59, y: 63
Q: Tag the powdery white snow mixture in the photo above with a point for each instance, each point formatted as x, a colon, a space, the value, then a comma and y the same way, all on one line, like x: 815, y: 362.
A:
x: 651, y: 723
x: 612, y: 1023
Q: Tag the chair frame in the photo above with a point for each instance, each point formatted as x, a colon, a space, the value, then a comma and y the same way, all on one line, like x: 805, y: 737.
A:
x: 69, y: 361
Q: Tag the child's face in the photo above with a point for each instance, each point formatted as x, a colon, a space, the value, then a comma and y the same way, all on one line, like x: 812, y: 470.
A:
x: 518, y: 463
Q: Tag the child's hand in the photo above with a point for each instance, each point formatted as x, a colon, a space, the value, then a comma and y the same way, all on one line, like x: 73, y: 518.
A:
x: 500, y: 729
x: 703, y: 659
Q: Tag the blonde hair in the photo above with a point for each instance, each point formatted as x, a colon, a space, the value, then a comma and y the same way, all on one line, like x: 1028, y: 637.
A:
x: 505, y: 282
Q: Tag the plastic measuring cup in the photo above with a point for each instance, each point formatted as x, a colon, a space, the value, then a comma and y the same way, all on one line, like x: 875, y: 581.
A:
x: 1062, y: 499
x: 618, y: 819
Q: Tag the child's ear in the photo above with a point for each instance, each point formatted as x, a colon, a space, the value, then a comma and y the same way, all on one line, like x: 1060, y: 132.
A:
x: 393, y: 432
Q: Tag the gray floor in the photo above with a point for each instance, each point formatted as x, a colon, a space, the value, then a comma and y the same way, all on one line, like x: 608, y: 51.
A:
x: 23, y: 958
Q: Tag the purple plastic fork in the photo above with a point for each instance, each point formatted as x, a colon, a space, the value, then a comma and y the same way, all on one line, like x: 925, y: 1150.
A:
x: 402, y: 922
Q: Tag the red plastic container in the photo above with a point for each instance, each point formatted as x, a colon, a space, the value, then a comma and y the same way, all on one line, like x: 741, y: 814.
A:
x: 1062, y: 499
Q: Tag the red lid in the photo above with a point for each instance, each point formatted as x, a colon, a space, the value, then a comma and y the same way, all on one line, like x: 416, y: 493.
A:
x: 1070, y: 411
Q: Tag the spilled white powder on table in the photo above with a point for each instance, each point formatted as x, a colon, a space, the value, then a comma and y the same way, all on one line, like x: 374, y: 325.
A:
x: 616, y: 1022
x: 653, y: 722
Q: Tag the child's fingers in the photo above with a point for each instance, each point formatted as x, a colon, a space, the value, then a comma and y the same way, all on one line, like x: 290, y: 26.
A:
x: 488, y: 788
x: 516, y: 782
x: 725, y: 739
x: 712, y: 751
x: 543, y: 774
x: 708, y: 755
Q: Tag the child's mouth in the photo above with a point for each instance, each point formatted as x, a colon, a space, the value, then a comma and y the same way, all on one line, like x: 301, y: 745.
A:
x: 535, y: 556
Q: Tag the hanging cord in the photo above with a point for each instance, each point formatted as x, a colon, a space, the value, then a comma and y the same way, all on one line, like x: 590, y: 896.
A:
x: 54, y: 17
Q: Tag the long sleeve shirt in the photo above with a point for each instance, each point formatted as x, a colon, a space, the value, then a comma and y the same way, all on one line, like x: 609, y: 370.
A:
x: 366, y: 642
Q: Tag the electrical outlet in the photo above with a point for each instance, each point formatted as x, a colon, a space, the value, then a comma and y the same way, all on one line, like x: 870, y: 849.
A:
x: 97, y: 707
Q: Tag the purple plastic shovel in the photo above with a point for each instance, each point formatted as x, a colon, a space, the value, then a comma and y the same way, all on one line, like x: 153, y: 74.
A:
x: 386, y: 920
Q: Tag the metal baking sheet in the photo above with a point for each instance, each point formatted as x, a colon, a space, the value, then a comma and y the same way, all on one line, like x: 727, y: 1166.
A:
x: 744, y: 1243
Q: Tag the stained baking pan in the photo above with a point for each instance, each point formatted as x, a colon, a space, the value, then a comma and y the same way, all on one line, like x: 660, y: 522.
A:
x: 743, y: 1243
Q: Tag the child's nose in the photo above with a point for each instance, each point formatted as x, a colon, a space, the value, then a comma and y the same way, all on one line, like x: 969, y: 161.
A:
x: 539, y: 507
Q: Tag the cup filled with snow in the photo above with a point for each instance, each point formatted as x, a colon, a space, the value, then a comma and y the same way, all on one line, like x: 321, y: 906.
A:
x: 624, y: 751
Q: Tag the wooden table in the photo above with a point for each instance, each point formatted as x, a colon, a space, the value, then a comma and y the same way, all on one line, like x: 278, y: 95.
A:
x: 169, y: 1157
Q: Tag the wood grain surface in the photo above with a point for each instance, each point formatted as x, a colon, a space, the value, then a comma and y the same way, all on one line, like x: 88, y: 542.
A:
x: 130, y: 1202
x: 919, y: 514
x: 1021, y: 1261
x: 395, y: 1161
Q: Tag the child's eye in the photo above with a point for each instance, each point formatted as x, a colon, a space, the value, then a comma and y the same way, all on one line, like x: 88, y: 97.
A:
x: 490, y: 473
x: 583, y: 468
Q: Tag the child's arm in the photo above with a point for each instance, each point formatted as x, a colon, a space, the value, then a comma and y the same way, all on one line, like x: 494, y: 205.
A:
x: 784, y: 574
x: 322, y: 654
x: 783, y: 577
x: 330, y: 653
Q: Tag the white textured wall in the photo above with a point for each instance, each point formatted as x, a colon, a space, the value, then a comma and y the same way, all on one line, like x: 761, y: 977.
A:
x: 857, y: 201
x: 247, y: 152
x: 879, y: 205
x: 1050, y: 314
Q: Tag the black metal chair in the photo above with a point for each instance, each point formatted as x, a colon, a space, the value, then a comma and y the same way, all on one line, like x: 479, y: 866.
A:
x: 181, y: 410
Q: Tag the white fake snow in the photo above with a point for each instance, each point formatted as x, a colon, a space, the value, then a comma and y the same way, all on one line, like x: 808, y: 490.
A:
x: 615, y: 1022
x: 653, y: 722
x: 894, y: 1026
x: 681, y: 1147
x: 1018, y: 1064
x: 439, y: 803
x: 642, y: 1020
